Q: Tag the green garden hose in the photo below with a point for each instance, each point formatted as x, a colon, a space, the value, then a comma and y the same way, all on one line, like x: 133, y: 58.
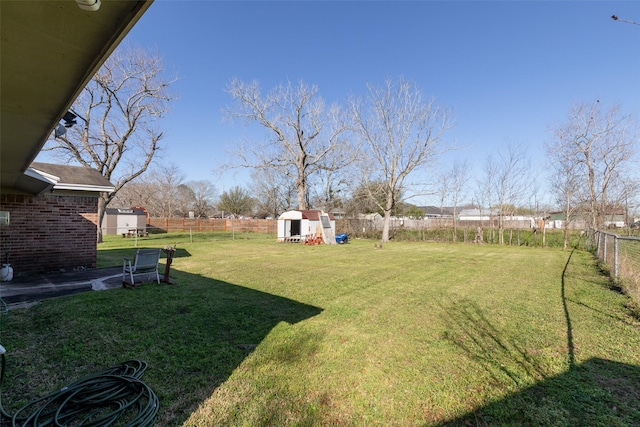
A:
x: 115, y: 396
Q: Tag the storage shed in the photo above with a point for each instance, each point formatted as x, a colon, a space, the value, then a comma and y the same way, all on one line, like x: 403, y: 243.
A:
x: 125, y: 221
x: 302, y: 225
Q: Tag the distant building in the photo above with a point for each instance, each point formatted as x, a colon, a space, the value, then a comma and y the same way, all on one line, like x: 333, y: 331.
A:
x: 338, y: 213
x: 476, y: 214
x: 435, y: 212
x: 299, y: 225
x: 124, y: 220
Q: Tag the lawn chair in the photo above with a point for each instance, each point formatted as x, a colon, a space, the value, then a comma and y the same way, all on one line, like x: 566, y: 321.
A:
x: 145, y: 262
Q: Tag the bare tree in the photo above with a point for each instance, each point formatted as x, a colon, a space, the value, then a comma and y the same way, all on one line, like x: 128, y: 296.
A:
x: 164, y: 194
x: 401, y: 134
x: 598, y: 146
x: 202, y: 198
x: 630, y: 199
x: 166, y: 184
x: 452, y: 186
x: 443, y: 182
x: 565, y: 185
x: 485, y: 191
x: 273, y: 193
x: 117, y: 112
x: 509, y: 178
x: 334, y: 182
x: 302, y: 133
x: 136, y: 193
x: 458, y: 178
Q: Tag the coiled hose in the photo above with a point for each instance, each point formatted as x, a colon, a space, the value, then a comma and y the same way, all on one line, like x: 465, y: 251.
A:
x: 101, y: 399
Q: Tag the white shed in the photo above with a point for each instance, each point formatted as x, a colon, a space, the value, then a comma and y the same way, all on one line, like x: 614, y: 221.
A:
x: 300, y: 226
x: 124, y: 221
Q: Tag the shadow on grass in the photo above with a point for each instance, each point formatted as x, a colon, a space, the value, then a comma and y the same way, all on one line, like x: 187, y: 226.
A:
x: 115, y: 257
x: 192, y: 335
x: 596, y: 392
x: 209, y: 328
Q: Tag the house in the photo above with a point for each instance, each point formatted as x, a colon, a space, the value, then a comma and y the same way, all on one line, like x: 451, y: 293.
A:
x: 557, y: 221
x: 338, y: 213
x: 124, y: 220
x: 301, y: 225
x: 580, y: 220
x: 482, y: 217
x: 56, y: 229
x: 50, y: 50
x: 435, y: 212
x: 615, y: 220
x: 475, y: 214
x: 370, y: 221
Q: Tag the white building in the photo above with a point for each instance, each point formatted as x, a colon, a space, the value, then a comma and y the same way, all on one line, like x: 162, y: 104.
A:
x: 299, y: 226
x: 124, y: 221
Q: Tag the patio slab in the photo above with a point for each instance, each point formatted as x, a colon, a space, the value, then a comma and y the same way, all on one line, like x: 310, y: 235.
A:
x: 31, y: 289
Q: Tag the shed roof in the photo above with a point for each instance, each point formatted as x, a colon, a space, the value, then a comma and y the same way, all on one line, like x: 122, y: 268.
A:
x: 313, y: 215
x: 478, y: 212
x: 125, y: 211
x: 436, y: 211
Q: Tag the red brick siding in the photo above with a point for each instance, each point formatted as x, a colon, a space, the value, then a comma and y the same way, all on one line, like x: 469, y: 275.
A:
x: 49, y: 232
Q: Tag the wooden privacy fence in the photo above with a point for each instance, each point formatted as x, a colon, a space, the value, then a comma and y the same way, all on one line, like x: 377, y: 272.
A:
x: 265, y: 226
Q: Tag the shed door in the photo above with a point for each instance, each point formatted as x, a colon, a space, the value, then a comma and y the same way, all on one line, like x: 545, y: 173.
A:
x: 295, y: 227
x: 125, y: 222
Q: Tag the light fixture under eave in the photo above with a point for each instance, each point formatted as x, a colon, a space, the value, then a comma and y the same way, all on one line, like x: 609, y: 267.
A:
x: 90, y: 5
x: 59, y: 130
x: 69, y: 119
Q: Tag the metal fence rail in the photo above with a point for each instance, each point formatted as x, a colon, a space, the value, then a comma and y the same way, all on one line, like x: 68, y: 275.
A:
x: 622, y: 255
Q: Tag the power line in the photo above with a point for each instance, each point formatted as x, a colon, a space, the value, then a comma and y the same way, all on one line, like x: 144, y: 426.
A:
x: 615, y: 18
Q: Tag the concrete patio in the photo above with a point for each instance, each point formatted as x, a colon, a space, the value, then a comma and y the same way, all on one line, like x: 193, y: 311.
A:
x: 25, y: 291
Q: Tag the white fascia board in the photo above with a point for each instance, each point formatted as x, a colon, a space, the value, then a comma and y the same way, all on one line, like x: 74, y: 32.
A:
x: 42, y: 176
x: 84, y: 187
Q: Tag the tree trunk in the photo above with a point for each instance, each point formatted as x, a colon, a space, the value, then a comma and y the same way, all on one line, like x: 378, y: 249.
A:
x: 566, y: 222
x: 102, y: 204
x: 455, y: 226
x: 301, y: 187
x: 385, y: 226
x: 387, y: 216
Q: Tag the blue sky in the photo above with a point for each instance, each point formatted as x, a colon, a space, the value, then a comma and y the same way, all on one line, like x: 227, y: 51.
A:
x: 508, y: 69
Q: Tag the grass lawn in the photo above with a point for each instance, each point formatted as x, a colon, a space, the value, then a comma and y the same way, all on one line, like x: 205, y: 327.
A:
x: 260, y: 333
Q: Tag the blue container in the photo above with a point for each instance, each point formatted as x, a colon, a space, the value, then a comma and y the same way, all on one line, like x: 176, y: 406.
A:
x: 342, y: 238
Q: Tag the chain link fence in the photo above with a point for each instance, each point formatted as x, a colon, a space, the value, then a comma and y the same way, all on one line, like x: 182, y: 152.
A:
x: 621, y: 254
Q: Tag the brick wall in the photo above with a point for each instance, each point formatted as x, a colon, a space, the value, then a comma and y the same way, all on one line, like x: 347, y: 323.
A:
x: 48, y: 232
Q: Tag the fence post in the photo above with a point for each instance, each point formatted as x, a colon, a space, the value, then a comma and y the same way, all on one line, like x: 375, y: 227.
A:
x: 615, y: 256
x: 604, y: 248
